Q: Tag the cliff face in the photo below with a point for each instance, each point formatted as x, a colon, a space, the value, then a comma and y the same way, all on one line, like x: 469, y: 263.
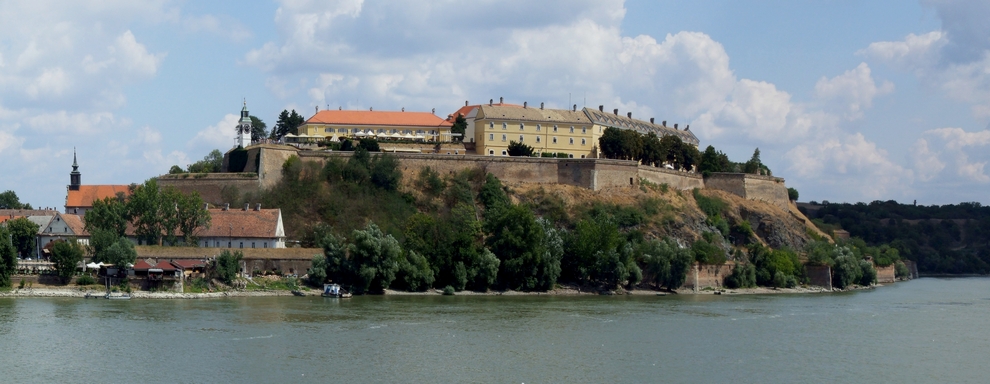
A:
x: 675, y: 214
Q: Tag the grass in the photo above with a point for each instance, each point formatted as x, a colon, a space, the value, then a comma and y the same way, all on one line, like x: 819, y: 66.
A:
x: 282, y: 284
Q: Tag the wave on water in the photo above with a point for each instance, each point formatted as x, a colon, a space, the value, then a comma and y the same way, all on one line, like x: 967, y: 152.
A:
x: 252, y: 338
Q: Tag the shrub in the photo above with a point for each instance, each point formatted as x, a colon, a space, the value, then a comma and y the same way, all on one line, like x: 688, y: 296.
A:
x: 901, y: 270
x: 82, y: 280
x: 743, y: 276
x: 369, y: 144
x: 448, y: 291
x: 519, y: 149
x: 226, y: 265
x: 869, y: 276
x: 707, y: 253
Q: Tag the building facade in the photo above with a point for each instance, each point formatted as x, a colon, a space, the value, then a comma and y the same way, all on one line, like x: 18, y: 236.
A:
x: 243, y: 228
x: 340, y: 124
x: 79, y: 198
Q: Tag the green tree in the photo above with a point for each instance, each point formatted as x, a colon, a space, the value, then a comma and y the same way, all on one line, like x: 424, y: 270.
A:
x: 144, y: 206
x: 529, y: 250
x: 519, y: 149
x: 459, y: 127
x: 714, y: 161
x: 792, y: 194
x: 317, y: 272
x: 287, y: 123
x: 386, y: 172
x: 175, y: 170
x: 375, y: 259
x: 8, y: 257
x: 226, y: 265
x: 611, y: 143
x: 369, y: 144
x: 109, y: 214
x: 211, y: 163
x: 667, y: 263
x: 652, y: 150
x: 754, y: 165
x: 66, y: 255
x: 414, y: 272
x: 259, y: 130
x: 121, y: 253
x: 23, y: 232
x: 9, y: 200
x: 191, y: 215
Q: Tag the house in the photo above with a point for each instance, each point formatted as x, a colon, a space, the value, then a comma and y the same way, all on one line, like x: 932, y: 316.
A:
x: 140, y: 268
x: 190, y: 268
x: 335, y: 125
x: 163, y: 271
x: 243, y: 228
x: 80, y: 198
x: 61, y: 227
x: 546, y: 130
x: 470, y: 114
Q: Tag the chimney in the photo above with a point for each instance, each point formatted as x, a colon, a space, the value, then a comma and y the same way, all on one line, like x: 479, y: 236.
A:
x: 226, y: 207
x: 371, y: 108
x: 206, y: 205
x: 246, y: 206
x: 664, y: 123
x: 434, y: 111
x: 340, y: 108
x: 575, y: 107
x: 616, y: 111
x: 490, y: 102
x: 601, y: 108
x: 629, y: 114
x: 687, y: 127
x: 675, y: 125
x: 541, y: 105
x: 317, y: 108
x: 403, y: 109
x: 651, y: 121
x: 525, y: 104
x: 465, y: 103
x: 501, y: 100
x: 257, y: 207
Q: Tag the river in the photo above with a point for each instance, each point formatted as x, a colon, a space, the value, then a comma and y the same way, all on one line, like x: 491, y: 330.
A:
x: 926, y: 330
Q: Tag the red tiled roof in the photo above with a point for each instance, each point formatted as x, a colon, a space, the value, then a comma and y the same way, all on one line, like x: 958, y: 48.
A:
x: 414, y: 119
x: 188, y: 264
x: 4, y: 219
x: 241, y: 223
x: 75, y: 224
x: 165, y: 266
x: 87, y: 194
x: 142, y: 265
x: 465, y: 110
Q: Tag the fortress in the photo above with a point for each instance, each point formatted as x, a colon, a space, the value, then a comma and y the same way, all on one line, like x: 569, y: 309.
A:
x: 263, y: 169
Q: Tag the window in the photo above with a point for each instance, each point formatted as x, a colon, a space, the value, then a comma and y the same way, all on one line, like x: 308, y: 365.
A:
x: 584, y: 129
x: 582, y: 156
x: 538, y: 127
x: 242, y: 244
x: 537, y: 139
x: 328, y: 130
x: 491, y: 125
x: 521, y: 126
x: 504, y: 126
x: 570, y: 156
x: 491, y: 136
x: 504, y: 153
x: 229, y: 244
x: 491, y: 152
x: 503, y: 137
x: 572, y: 141
x: 252, y: 244
x: 555, y: 128
x: 582, y: 141
x: 555, y: 139
x: 266, y: 244
x: 520, y: 138
x: 572, y: 129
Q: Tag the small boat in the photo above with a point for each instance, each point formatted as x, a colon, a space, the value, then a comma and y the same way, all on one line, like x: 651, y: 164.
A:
x: 297, y: 293
x: 334, y: 290
x: 118, y: 296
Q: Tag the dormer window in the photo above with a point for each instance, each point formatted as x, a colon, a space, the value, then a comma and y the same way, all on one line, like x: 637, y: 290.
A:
x: 521, y: 126
x: 538, y: 127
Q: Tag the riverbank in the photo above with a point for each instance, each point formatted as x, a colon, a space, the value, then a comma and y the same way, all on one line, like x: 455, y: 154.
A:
x: 83, y: 292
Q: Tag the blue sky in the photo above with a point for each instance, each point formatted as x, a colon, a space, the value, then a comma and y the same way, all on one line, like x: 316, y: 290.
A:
x: 847, y: 100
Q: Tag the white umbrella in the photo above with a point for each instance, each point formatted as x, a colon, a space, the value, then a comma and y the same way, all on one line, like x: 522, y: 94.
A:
x: 92, y: 266
x: 334, y: 138
x: 408, y: 136
x: 360, y: 134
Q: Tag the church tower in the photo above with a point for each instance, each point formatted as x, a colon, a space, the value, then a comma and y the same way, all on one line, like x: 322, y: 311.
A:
x: 244, y: 126
x: 75, y: 178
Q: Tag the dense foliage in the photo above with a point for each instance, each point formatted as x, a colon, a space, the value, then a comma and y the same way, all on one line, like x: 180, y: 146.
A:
x: 226, y: 265
x: 159, y: 215
x: 288, y: 122
x: 8, y: 258
x: 951, y: 238
x: 649, y: 149
x: 23, y: 233
x: 9, y: 200
x: 66, y: 255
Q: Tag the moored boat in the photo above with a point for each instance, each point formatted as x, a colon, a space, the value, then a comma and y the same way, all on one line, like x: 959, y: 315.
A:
x: 334, y: 290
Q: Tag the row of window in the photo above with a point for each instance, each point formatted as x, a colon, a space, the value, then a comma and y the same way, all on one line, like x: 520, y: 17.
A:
x: 218, y: 244
x: 539, y: 128
x: 522, y: 139
x: 380, y: 131
x: 491, y: 152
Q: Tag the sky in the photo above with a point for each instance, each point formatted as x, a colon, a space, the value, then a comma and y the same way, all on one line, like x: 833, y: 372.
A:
x: 848, y: 101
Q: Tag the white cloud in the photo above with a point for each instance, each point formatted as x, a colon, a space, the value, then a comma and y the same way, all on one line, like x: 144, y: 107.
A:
x: 958, y: 157
x: 852, y: 92
x: 63, y: 122
x: 220, y: 135
x: 850, y: 162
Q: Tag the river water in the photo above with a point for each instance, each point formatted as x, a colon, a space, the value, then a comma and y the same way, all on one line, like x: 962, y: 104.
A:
x: 926, y: 330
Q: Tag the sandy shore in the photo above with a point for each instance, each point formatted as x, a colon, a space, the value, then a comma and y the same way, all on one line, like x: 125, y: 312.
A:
x: 82, y: 292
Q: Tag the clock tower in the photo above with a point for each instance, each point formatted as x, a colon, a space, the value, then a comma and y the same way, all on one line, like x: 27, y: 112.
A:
x: 243, y: 126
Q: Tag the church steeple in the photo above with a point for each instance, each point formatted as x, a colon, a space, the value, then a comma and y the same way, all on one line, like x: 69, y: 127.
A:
x: 244, y: 126
x: 74, y: 176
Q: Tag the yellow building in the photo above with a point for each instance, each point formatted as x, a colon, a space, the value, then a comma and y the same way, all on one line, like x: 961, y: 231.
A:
x: 546, y: 130
x: 383, y: 125
x: 573, y: 132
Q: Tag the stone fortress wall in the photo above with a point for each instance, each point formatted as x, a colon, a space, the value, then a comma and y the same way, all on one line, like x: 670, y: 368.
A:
x: 264, y: 169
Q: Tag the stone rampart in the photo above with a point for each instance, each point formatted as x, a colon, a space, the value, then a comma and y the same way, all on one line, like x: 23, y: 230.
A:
x: 214, y: 188
x: 819, y: 276
x: 753, y: 187
x: 674, y: 179
x: 701, y: 276
x: 886, y: 274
